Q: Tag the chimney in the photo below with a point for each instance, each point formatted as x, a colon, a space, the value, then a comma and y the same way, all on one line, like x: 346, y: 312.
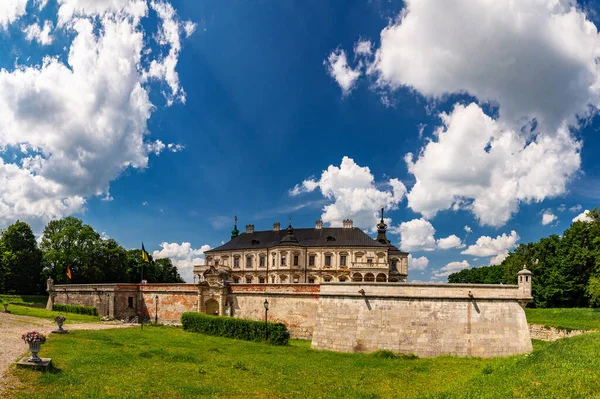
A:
x: 319, y: 224
x: 249, y: 228
x: 348, y: 223
x: 276, y: 226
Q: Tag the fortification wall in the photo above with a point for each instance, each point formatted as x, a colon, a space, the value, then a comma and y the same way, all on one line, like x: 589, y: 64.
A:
x: 424, y: 319
x: 168, y: 301
x: 294, y: 305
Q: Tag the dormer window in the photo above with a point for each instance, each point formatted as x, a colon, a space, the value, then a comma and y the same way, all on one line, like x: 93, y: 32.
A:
x: 254, y: 242
x: 330, y: 238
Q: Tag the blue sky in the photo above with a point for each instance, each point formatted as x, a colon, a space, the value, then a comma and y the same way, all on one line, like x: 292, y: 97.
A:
x: 245, y: 101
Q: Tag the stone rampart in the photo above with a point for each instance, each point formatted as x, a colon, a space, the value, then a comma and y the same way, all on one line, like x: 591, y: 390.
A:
x: 294, y: 305
x: 424, y: 319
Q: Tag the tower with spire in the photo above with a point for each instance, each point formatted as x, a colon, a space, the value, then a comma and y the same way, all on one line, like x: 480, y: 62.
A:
x: 235, y: 232
x: 381, y: 229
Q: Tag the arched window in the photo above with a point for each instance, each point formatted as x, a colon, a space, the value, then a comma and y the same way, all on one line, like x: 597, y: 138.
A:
x: 381, y: 278
x: 369, y: 277
x: 236, y: 279
x: 357, y: 277
x: 248, y: 279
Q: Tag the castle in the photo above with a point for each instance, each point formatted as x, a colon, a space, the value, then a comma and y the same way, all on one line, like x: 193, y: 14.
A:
x: 307, y: 256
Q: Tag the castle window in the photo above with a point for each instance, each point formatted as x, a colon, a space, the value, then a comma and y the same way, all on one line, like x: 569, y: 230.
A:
x: 261, y: 280
x: 343, y: 260
x: 262, y: 261
x: 369, y: 260
x: 328, y: 260
x: 248, y: 279
x: 216, y: 262
x: 254, y: 242
x: 236, y: 262
x: 248, y: 261
x: 327, y: 279
x: 394, y: 264
x: 130, y: 301
x: 342, y: 279
x: 295, y: 260
x: 330, y: 238
x: 283, y: 260
x: 311, y: 280
x: 311, y: 260
x: 296, y: 279
x: 236, y: 280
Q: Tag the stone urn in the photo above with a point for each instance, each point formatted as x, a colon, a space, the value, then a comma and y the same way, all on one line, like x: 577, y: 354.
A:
x: 60, y: 320
x: 5, y: 307
x: 34, y: 348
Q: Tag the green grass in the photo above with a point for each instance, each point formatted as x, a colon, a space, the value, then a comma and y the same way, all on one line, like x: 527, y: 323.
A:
x: 569, y: 319
x: 33, y: 300
x: 163, y: 362
x: 49, y: 314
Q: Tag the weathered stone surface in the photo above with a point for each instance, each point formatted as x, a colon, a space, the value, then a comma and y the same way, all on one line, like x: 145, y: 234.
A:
x: 44, y: 365
x: 543, y: 333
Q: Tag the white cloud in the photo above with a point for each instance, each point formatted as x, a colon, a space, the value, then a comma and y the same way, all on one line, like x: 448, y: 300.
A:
x: 417, y: 263
x: 475, y: 163
x: 468, y: 230
x: 40, y: 4
x: 10, y: 11
x: 548, y: 217
x: 82, y: 119
x: 451, y: 241
x: 144, y: 203
x: 506, y: 52
x: 450, y: 268
x: 362, y: 48
x: 337, y: 66
x: 583, y: 217
x: 417, y: 235
x: 175, y: 147
x: 354, y: 194
x: 41, y: 35
x: 497, y: 248
x: 534, y: 62
x: 189, y: 28
x: 183, y: 256
x: 576, y: 208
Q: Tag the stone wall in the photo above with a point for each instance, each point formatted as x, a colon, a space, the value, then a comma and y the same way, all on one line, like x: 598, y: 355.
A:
x: 424, y: 319
x: 294, y: 305
x: 543, y: 333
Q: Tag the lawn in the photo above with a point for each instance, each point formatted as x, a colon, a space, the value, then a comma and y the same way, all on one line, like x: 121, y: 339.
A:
x: 31, y: 300
x: 166, y: 362
x: 49, y: 314
x: 568, y: 318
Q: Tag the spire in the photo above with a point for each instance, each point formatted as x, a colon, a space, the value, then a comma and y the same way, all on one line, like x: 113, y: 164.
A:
x: 381, y: 229
x: 235, y: 231
x: 289, y: 238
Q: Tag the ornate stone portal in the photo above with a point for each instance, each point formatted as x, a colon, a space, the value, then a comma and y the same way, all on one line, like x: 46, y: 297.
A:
x: 213, y: 292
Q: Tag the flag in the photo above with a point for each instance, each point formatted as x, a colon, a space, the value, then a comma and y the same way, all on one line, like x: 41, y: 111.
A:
x: 69, y: 272
x: 144, y: 254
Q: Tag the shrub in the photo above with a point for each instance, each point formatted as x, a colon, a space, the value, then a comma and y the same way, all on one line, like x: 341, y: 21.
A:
x: 230, y: 327
x: 90, y: 310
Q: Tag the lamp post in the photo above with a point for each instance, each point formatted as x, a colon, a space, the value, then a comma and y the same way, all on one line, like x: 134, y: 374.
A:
x: 266, y: 303
x: 156, y: 310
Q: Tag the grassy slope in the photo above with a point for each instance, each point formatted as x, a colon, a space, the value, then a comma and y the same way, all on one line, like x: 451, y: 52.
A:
x: 168, y: 362
x: 48, y: 314
x: 25, y: 299
x: 574, y: 318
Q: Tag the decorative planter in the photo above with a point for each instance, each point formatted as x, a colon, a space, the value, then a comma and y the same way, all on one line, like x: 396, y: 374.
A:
x: 5, y: 307
x: 60, y: 320
x: 34, y: 348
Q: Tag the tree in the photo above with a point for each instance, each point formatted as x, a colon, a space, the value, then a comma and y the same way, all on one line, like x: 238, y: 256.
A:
x: 20, y: 260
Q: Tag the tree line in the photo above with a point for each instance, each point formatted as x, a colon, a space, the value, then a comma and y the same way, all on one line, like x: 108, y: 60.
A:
x: 68, y: 243
x: 566, y: 269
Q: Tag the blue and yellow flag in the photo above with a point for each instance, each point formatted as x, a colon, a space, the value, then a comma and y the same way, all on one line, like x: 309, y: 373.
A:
x: 144, y: 254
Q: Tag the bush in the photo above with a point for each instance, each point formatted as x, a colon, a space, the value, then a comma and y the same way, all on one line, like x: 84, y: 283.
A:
x: 89, y: 310
x: 230, y: 327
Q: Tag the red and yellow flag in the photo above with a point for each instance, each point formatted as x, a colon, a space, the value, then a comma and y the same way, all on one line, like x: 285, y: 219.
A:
x: 69, y: 272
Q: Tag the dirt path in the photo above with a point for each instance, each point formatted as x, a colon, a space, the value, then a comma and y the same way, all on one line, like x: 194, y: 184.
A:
x: 12, y: 347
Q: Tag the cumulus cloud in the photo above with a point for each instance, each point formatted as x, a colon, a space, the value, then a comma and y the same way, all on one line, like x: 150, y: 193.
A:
x: 419, y: 235
x: 548, y: 217
x: 467, y: 229
x: 81, y: 120
x: 338, y: 68
x: 362, y: 48
x: 417, y: 263
x: 475, y: 163
x: 451, y: 241
x: 10, y: 11
x: 497, y: 248
x: 40, y: 34
x: 450, y: 268
x: 534, y: 62
x: 183, y: 256
x: 583, y: 217
x: 353, y: 193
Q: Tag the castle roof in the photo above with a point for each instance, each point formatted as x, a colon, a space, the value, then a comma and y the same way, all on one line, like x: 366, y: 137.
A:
x: 311, y: 237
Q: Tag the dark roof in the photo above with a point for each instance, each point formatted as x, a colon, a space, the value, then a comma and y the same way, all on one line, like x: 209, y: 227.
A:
x: 325, y: 237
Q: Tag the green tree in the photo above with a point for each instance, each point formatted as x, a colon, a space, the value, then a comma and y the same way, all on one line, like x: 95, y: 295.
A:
x: 20, y: 260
